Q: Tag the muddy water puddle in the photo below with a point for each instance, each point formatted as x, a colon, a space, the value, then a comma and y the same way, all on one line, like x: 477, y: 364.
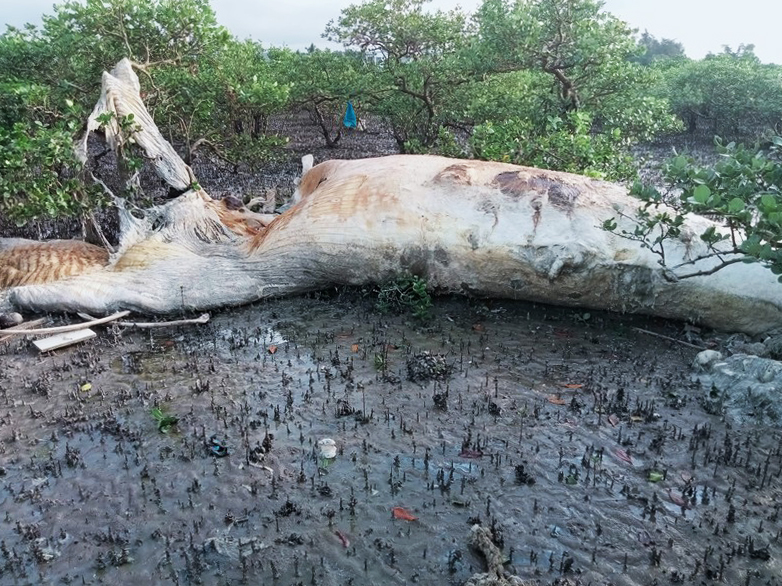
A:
x: 580, y: 441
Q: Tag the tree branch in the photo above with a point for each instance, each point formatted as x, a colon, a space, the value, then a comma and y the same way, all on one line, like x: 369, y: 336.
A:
x: 714, y: 269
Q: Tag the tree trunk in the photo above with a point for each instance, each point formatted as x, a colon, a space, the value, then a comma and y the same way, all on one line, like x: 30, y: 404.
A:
x: 317, y: 116
x: 259, y: 125
x: 692, y: 121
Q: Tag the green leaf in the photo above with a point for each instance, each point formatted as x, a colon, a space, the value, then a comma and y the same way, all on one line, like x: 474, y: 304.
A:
x: 768, y: 201
x: 166, y: 423
x: 701, y: 194
x: 736, y: 205
x: 711, y: 236
x: 679, y: 163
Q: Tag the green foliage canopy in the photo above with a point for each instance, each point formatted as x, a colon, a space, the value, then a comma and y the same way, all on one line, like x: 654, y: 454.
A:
x: 583, y: 49
x: 593, y: 107
x: 731, y: 94
x: 421, y: 58
x: 659, y: 50
x: 322, y: 81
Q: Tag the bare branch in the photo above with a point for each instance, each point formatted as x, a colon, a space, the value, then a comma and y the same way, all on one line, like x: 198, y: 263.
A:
x: 682, y: 342
x: 215, y: 149
x: 719, y: 255
x: 714, y: 269
x: 202, y: 319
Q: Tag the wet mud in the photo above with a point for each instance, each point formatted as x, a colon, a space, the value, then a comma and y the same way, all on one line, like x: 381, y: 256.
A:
x: 194, y: 455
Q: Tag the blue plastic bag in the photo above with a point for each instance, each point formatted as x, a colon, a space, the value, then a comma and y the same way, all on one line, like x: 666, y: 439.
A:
x: 350, y: 116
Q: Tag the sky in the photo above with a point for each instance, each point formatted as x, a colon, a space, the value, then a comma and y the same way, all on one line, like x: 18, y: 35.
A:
x: 702, y: 26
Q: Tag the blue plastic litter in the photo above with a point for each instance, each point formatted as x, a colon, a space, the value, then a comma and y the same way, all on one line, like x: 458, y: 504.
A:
x: 350, y: 116
x: 217, y: 447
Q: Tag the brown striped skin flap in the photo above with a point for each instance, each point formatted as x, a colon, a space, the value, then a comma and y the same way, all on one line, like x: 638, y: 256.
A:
x: 44, y: 262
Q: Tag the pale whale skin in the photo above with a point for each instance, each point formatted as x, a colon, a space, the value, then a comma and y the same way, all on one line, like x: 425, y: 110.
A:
x: 473, y: 227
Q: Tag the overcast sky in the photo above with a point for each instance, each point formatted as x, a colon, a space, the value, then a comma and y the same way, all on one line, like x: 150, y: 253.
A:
x: 701, y: 25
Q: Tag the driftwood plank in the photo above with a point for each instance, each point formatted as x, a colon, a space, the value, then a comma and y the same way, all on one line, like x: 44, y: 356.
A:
x: 64, y: 339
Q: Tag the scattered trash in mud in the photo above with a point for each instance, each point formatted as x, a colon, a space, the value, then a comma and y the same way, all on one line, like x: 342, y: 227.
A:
x: 328, y: 448
x: 217, y: 447
x: 404, y: 514
x: 467, y: 474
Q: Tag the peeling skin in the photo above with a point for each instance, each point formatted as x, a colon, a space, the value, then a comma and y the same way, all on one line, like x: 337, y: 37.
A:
x: 458, y: 174
x: 560, y: 194
x: 488, y: 228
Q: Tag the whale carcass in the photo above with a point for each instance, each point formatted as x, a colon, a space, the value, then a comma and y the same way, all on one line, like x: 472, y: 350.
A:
x: 466, y: 226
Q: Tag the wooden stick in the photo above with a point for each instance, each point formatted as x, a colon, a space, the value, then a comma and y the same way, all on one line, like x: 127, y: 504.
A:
x: 29, y: 324
x: 202, y: 319
x: 682, y: 342
x: 70, y: 328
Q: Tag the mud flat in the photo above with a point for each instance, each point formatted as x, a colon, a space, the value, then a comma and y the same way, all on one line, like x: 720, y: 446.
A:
x: 582, y: 443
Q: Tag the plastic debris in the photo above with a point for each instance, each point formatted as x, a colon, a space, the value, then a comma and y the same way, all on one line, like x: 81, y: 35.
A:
x: 328, y: 448
x: 404, y: 514
x: 217, y: 447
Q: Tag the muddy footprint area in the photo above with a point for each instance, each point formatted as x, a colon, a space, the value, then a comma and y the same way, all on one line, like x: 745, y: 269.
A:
x: 315, y: 441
